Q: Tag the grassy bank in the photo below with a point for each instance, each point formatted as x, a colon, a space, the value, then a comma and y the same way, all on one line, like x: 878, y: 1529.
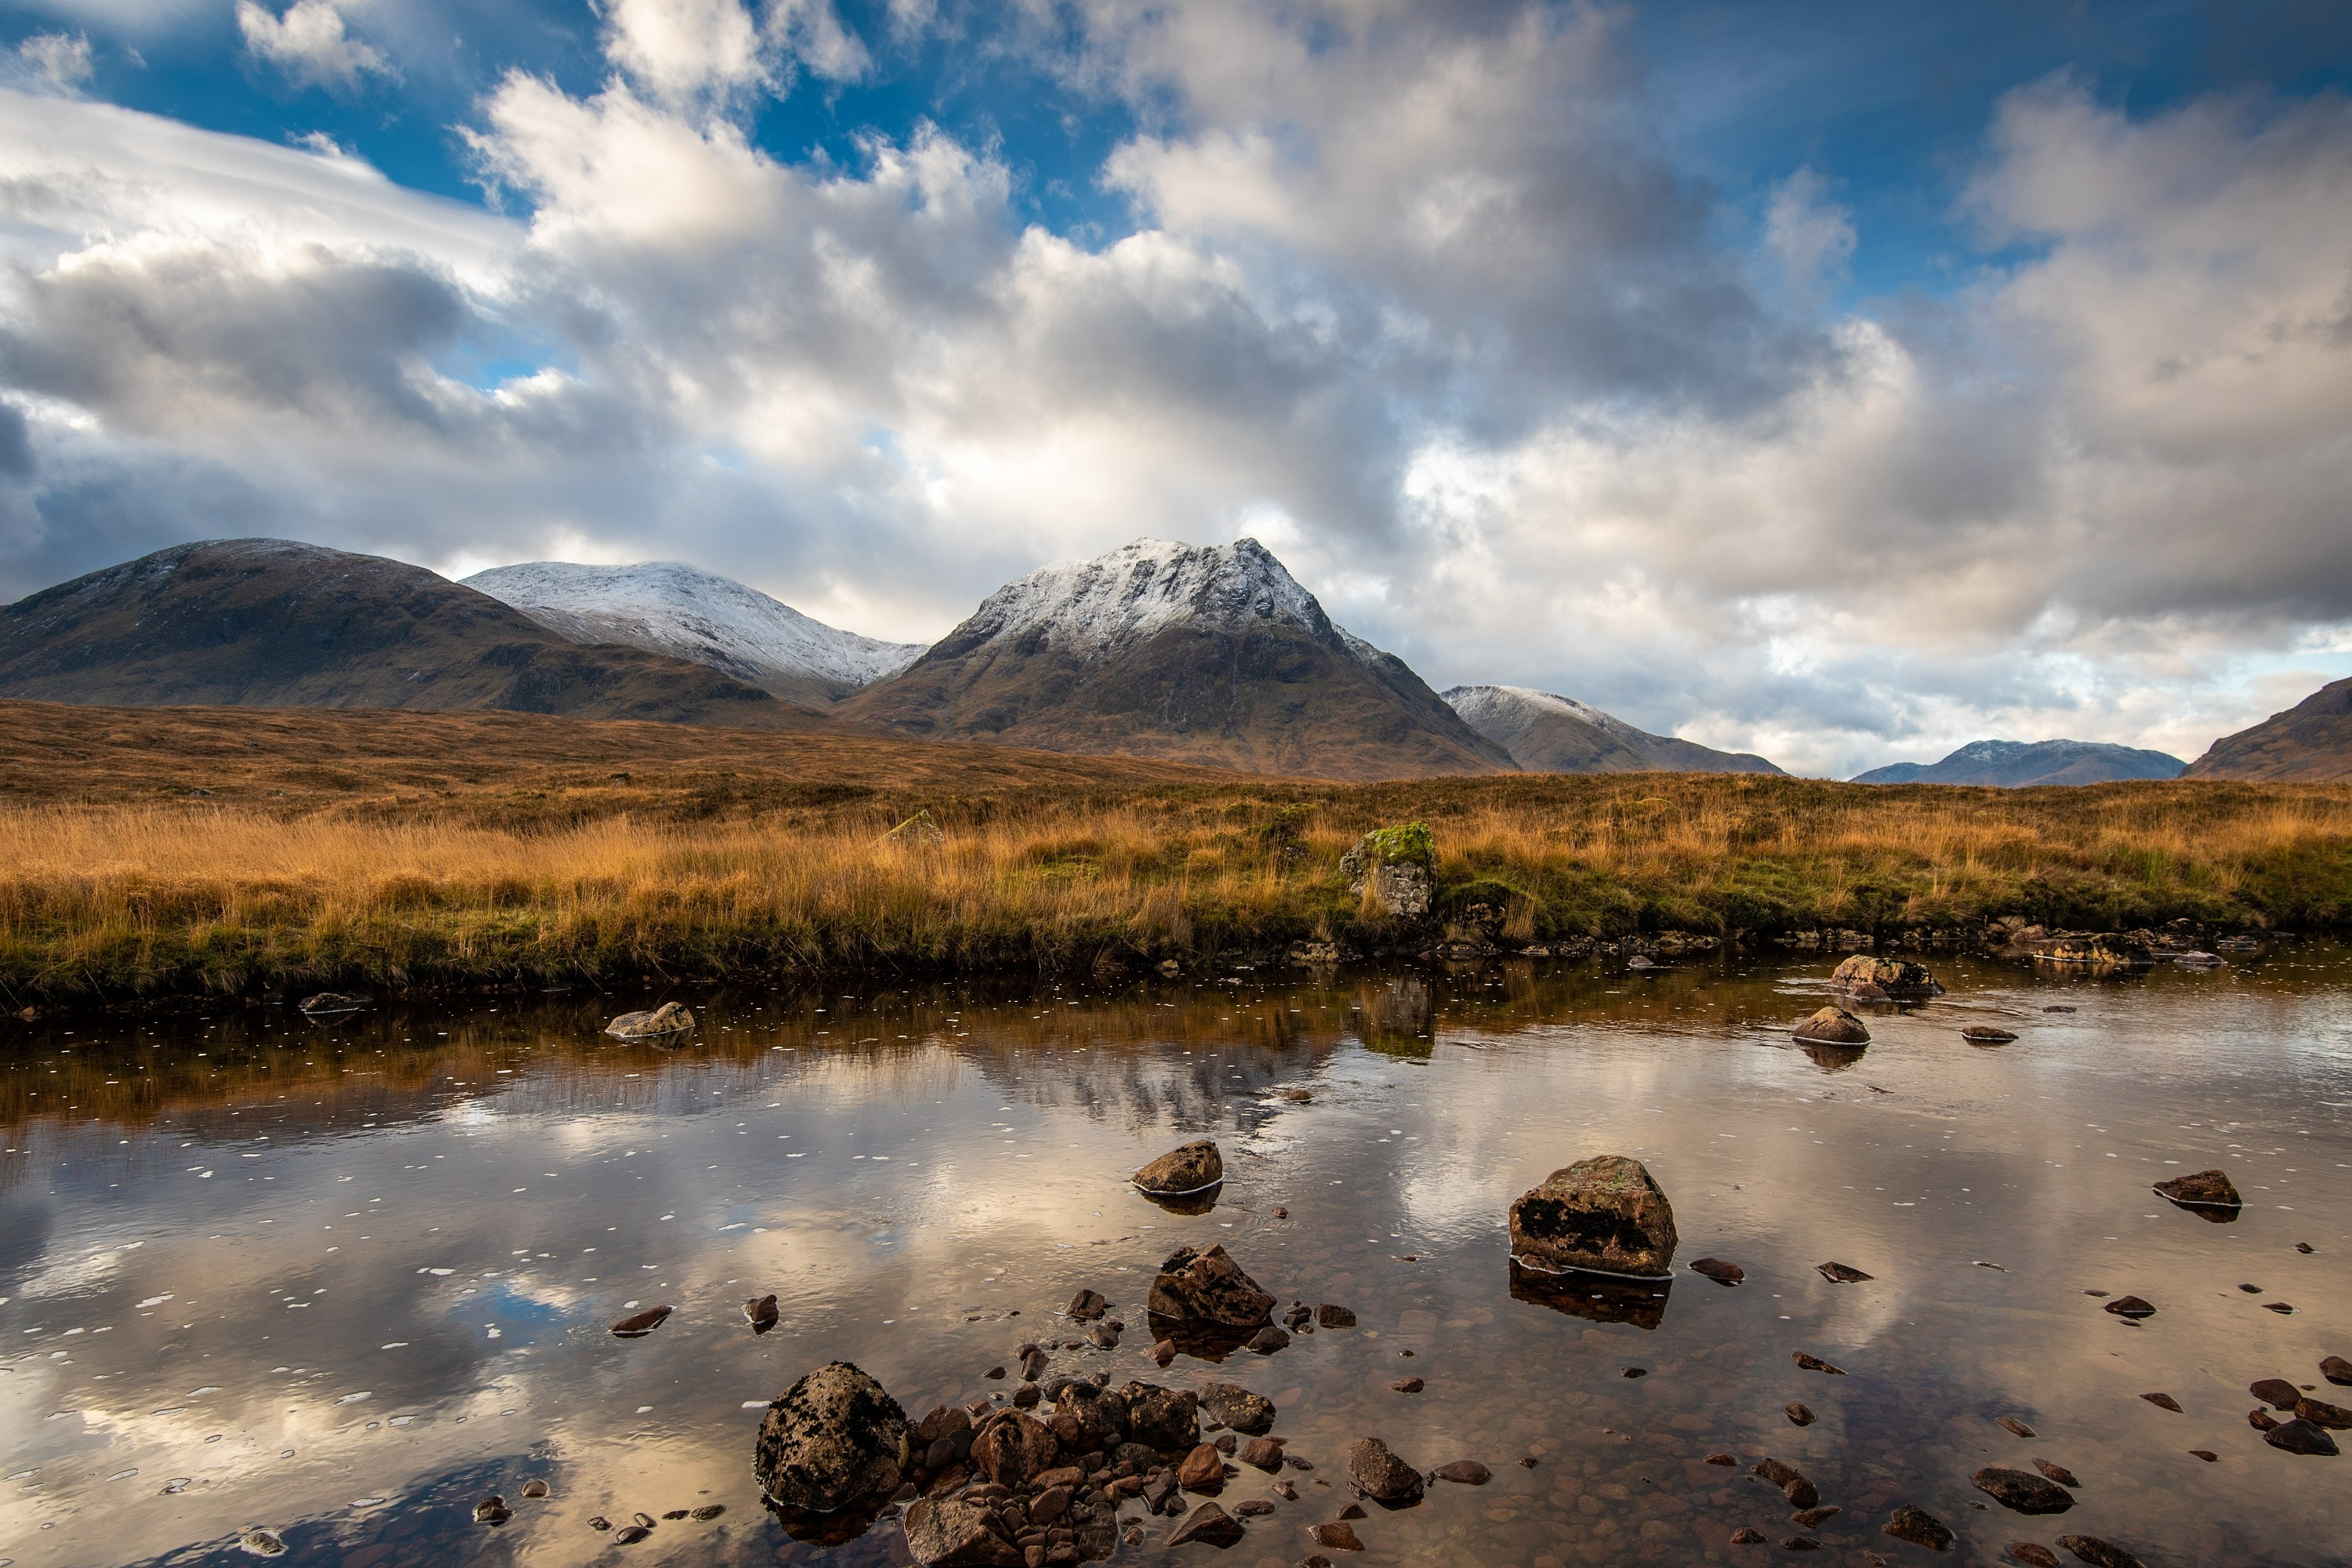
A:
x: 740, y: 873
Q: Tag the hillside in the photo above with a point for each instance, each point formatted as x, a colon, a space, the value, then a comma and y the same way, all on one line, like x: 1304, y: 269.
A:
x: 1548, y: 733
x: 2021, y: 764
x: 264, y: 622
x: 668, y: 607
x: 1205, y: 654
x: 2310, y: 741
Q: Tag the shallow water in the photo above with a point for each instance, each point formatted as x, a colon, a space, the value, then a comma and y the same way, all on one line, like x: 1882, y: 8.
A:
x: 342, y: 1278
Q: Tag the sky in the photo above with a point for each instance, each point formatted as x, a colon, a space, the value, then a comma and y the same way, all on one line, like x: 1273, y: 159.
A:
x: 1839, y: 382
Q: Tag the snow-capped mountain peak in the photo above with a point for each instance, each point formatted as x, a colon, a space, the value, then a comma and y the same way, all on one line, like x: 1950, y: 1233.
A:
x: 1089, y: 609
x: 669, y: 608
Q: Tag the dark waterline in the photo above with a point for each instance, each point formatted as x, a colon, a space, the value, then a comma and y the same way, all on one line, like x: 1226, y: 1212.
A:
x: 285, y: 1267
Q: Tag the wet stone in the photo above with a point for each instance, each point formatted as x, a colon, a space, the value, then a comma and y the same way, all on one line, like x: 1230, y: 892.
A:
x: 2262, y: 1420
x: 534, y: 1488
x: 1718, y: 1270
x: 1464, y: 1472
x: 2208, y: 1454
x: 2337, y: 1370
x: 946, y: 1532
x: 1256, y: 1508
x: 1832, y: 1025
x: 2276, y: 1392
x: 1813, y: 1517
x: 2319, y: 1413
x: 1328, y: 1316
x: 1339, y: 1536
x: 759, y: 1312
x: 1208, y: 1287
x: 261, y: 1543
x: 1799, y: 1414
x: 2099, y: 1554
x: 639, y: 1324
x: 1407, y: 1385
x: 1815, y: 1364
x: 2015, y: 1427
x: 1237, y: 1407
x: 1268, y: 1339
x: 1203, y: 1470
x: 2130, y: 1307
x: 1920, y: 1528
x: 1744, y: 1536
x: 832, y: 1438
x: 1842, y: 1273
x: 1087, y: 1305
x: 2033, y: 1554
x: 2301, y: 1436
x: 2163, y: 1402
x: 1181, y: 1171
x: 1728, y: 1461
x: 2022, y: 1490
x: 491, y: 1509
x: 2059, y: 1473
x: 2202, y: 1189
x: 1605, y: 1213
x: 1209, y: 1524
x: 1800, y: 1543
x: 1379, y: 1475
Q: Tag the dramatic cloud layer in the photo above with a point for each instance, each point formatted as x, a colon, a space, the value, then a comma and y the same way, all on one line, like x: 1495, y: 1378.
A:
x: 1415, y: 294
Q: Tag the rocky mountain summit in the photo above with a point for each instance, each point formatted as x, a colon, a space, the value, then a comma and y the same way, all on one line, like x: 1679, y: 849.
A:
x: 1211, y: 654
x: 2019, y: 764
x: 669, y: 607
x: 270, y: 623
x: 2310, y: 741
x: 1548, y: 733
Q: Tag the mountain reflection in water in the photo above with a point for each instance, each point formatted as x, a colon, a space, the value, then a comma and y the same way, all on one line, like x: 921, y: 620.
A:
x: 344, y: 1278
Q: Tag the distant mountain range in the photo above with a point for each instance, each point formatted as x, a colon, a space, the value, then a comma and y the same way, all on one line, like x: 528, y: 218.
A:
x: 263, y: 622
x: 667, y: 608
x: 1548, y: 733
x: 2016, y: 764
x: 2310, y: 741
x: 1208, y: 655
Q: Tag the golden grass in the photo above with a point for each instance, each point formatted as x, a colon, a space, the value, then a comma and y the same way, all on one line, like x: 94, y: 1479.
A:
x: 591, y: 878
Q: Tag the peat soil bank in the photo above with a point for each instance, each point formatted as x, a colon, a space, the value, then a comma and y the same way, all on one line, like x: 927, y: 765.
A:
x: 341, y: 1279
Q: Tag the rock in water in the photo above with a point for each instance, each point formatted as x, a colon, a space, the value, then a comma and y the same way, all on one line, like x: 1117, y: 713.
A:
x: 2276, y: 1392
x: 1088, y: 1305
x: 326, y: 1003
x: 2059, y: 1473
x: 760, y: 1313
x: 2319, y: 1413
x: 1605, y: 1214
x: 1799, y: 1414
x: 1328, y: 1316
x: 1208, y: 1523
x: 2015, y: 1427
x: 1163, y: 1418
x: 1920, y: 1528
x: 833, y: 1439
x: 2130, y: 1307
x: 1721, y: 1272
x: 1246, y: 1413
x: 1465, y: 1472
x: 2022, y: 1490
x: 1842, y: 1273
x: 1379, y: 1475
x: 2032, y: 1554
x: 2099, y: 1554
x: 1208, y: 1287
x: 1012, y: 1446
x: 640, y: 1324
x: 492, y: 1509
x: 2301, y: 1436
x: 2337, y: 1370
x: 1339, y: 1535
x: 261, y: 1543
x: 2202, y: 1189
x: 1192, y: 1168
x: 948, y: 1533
x: 1833, y: 1026
x: 2164, y: 1402
x: 1203, y: 1470
x: 1869, y: 978
x: 669, y: 1019
x: 1986, y: 1035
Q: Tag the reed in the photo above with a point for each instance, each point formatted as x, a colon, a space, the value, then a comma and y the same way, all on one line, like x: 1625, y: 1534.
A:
x: 589, y: 879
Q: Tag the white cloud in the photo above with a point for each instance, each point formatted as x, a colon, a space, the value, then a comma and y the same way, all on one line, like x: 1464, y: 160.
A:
x: 310, y: 44
x: 1419, y: 288
x: 61, y: 62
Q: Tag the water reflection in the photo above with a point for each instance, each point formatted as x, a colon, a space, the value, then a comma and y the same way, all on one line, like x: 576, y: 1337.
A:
x: 345, y: 1278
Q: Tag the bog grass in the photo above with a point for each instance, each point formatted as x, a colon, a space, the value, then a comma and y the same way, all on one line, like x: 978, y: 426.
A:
x: 590, y: 879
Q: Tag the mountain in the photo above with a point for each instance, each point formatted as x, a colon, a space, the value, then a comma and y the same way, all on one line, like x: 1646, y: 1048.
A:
x: 268, y: 623
x: 1207, y: 654
x: 2015, y: 764
x: 2311, y: 741
x: 667, y: 608
x: 1546, y: 733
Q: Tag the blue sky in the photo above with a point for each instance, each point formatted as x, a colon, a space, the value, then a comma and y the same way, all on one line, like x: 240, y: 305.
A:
x: 1843, y: 382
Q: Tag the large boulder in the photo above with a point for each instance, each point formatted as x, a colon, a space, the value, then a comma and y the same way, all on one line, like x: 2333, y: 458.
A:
x: 1012, y: 1446
x: 1162, y: 1418
x: 1833, y: 1026
x: 1394, y: 866
x: 1866, y: 977
x: 1194, y: 1167
x: 943, y: 1532
x: 833, y: 1439
x: 1603, y: 1214
x: 1208, y: 1287
x: 669, y: 1019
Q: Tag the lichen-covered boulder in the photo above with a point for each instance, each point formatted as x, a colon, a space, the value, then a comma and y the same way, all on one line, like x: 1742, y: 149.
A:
x: 1190, y: 1168
x: 1100, y: 1413
x: 1208, y: 1287
x: 1162, y: 1418
x: 1395, y: 867
x: 669, y: 1019
x: 1833, y: 1026
x: 943, y: 1532
x: 834, y: 1437
x: 1605, y: 1214
x: 1870, y: 978
x: 1237, y: 1407
x: 1376, y: 1473
x: 2203, y: 1189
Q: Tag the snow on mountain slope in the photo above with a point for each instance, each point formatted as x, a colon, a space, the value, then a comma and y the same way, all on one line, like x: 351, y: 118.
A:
x: 668, y: 607
x: 1546, y: 732
x: 1092, y: 609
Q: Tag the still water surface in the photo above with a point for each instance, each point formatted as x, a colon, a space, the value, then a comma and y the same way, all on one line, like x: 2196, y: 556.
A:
x: 342, y: 1278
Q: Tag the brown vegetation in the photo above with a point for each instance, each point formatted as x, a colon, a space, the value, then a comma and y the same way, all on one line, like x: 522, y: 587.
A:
x: 495, y: 847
